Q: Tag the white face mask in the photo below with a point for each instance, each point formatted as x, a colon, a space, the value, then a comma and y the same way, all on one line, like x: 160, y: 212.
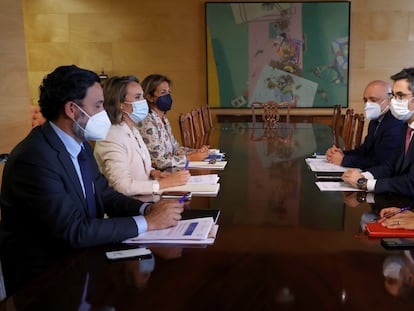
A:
x: 391, y: 267
x: 139, y: 110
x: 372, y: 110
x: 399, y: 109
x: 97, y: 126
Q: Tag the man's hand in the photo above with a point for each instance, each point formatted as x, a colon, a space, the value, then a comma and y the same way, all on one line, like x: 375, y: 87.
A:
x: 163, y: 214
x: 351, y: 176
x: 334, y: 155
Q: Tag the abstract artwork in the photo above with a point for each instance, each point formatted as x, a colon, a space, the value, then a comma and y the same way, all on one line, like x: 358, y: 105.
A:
x: 277, y: 51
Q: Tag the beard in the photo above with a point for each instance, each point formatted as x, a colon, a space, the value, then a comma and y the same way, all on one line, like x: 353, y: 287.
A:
x: 79, y: 129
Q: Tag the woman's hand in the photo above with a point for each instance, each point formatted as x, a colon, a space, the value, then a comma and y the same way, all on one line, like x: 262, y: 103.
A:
x: 177, y: 178
x: 403, y: 220
x: 198, y: 154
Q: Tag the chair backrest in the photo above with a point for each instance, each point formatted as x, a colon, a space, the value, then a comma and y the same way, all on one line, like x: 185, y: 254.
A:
x: 186, y: 129
x: 207, y: 118
x: 348, y: 129
x: 336, y: 124
x: 198, y: 128
x: 359, y: 129
x: 353, y: 129
x: 270, y: 112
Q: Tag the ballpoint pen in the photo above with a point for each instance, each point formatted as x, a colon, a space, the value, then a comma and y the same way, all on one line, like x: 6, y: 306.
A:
x: 183, y: 198
x: 186, y: 164
x: 389, y: 215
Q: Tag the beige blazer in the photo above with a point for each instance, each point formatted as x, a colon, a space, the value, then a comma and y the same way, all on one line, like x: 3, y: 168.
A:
x: 125, y: 161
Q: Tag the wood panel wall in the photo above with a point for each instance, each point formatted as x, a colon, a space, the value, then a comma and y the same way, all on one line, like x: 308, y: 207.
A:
x: 143, y: 37
x: 14, y: 92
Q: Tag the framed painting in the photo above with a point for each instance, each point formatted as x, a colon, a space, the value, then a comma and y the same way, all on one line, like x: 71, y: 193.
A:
x: 279, y: 51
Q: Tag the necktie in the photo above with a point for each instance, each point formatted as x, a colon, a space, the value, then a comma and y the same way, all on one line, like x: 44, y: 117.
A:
x: 85, y: 169
x: 408, y: 138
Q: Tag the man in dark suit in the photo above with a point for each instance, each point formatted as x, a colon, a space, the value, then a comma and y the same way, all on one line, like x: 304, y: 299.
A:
x: 383, y: 131
x: 49, y: 204
x: 397, y: 174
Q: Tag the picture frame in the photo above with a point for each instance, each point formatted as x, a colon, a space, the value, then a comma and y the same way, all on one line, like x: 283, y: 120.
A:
x: 277, y: 51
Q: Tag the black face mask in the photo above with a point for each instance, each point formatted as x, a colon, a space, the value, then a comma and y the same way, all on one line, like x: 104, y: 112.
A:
x: 164, y: 102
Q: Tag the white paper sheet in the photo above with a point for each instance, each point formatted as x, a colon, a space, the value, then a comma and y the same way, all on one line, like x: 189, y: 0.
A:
x: 335, y: 186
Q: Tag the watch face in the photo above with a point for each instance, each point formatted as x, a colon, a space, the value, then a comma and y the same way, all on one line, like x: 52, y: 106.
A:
x: 361, y: 181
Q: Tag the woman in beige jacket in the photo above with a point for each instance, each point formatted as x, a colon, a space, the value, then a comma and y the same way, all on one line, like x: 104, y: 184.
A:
x: 123, y: 156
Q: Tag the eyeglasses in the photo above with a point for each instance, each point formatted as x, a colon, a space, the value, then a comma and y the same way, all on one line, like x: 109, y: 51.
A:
x: 399, y: 95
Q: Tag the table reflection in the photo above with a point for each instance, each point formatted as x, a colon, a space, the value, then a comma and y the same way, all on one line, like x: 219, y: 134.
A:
x: 282, y: 245
x: 273, y: 183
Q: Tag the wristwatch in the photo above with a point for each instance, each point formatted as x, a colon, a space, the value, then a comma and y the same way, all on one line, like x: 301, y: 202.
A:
x: 361, y: 197
x: 362, y: 183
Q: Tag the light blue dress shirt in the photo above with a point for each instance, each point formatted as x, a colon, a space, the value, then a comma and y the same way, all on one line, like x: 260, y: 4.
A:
x: 73, y: 148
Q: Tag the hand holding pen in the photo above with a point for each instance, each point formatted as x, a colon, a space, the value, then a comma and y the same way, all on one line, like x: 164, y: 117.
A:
x: 391, y: 211
x: 393, y: 217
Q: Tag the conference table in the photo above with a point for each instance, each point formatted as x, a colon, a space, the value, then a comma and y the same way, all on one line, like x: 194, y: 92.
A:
x: 282, y: 244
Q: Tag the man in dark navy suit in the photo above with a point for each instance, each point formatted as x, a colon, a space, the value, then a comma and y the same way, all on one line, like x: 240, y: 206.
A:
x: 383, y: 131
x: 396, y: 175
x: 53, y: 197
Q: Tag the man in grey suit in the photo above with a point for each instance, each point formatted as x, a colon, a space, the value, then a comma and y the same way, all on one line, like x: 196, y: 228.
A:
x: 397, y: 174
x: 49, y: 204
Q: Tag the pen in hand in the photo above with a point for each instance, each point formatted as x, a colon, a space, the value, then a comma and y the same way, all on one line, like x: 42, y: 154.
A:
x: 187, y: 163
x: 389, y: 215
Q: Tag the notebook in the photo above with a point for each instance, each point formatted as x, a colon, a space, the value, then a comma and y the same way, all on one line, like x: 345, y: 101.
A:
x: 375, y: 229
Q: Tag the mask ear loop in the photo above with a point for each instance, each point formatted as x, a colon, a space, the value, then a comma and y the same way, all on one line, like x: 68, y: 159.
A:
x: 83, y: 111
x: 387, y: 107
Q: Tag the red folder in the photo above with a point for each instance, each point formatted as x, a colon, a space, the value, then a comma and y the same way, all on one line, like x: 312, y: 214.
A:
x: 375, y: 229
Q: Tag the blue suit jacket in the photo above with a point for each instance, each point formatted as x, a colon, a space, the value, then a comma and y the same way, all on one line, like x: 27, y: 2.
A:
x: 376, y: 149
x: 396, y: 176
x: 43, y: 209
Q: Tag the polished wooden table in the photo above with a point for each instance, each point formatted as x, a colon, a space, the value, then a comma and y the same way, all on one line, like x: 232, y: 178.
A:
x: 282, y: 245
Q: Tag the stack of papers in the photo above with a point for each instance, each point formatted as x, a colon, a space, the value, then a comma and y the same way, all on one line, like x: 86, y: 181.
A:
x: 203, y: 179
x: 217, y: 157
x: 335, y: 186
x: 214, y: 154
x: 322, y: 165
x: 219, y: 165
x: 328, y: 175
x: 191, y: 231
x: 199, y: 185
